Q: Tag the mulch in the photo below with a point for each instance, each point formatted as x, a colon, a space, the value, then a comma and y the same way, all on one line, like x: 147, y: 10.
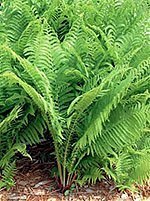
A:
x: 33, y: 183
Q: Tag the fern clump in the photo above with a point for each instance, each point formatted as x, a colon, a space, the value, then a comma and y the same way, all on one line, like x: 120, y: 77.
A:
x: 78, y: 70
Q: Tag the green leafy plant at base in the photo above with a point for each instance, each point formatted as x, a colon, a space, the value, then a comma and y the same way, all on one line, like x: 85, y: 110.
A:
x: 78, y: 70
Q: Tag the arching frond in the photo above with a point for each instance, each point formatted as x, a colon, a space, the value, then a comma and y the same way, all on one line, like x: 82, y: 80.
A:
x: 101, y: 111
x: 128, y: 128
x: 37, y: 98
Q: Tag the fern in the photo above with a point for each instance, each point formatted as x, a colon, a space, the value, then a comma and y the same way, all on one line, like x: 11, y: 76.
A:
x: 9, y: 119
x: 8, y: 176
x: 110, y: 101
x: 9, y: 168
x: 29, y: 89
x: 78, y: 71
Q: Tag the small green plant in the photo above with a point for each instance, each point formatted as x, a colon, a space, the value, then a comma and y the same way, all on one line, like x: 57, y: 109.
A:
x: 78, y: 70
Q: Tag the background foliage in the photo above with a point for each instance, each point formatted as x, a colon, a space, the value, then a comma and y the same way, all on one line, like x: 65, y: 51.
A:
x: 79, y: 71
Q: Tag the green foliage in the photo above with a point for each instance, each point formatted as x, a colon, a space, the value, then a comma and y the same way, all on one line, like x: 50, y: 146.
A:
x: 79, y: 71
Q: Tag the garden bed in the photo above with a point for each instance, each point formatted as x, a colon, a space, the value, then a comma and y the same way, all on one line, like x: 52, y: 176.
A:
x: 33, y: 183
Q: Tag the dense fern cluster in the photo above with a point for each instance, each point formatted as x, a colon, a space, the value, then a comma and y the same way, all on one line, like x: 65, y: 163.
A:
x: 78, y: 70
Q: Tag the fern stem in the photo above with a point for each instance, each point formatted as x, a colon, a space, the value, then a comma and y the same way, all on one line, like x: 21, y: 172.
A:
x: 56, y: 150
x: 66, y: 151
x: 58, y: 162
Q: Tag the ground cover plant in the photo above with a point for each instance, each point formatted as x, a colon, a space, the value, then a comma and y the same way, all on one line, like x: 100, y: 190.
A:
x: 77, y: 71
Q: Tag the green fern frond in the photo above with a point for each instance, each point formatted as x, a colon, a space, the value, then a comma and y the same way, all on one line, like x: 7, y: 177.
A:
x: 141, y: 171
x: 101, y: 111
x: 36, y: 97
x: 58, y: 54
x: 32, y: 133
x: 38, y: 77
x: 127, y: 173
x: 92, y: 176
x: 41, y: 58
x: 12, y: 116
x: 82, y: 102
x: 8, y: 176
x: 71, y: 37
x: 28, y: 34
x: 13, y: 150
x: 5, y: 60
x: 127, y: 130
x: 9, y: 169
x: 17, y: 19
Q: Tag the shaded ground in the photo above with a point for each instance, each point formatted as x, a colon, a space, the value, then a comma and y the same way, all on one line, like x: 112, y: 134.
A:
x: 33, y: 183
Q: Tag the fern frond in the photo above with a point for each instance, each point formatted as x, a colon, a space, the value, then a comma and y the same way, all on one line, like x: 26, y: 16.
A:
x: 58, y: 54
x: 16, y: 148
x: 92, y: 175
x: 82, y: 102
x: 102, y: 110
x: 41, y: 58
x: 126, y: 173
x: 38, y: 77
x: 5, y: 61
x: 141, y: 171
x: 17, y: 19
x: 127, y: 130
x: 32, y: 133
x: 12, y: 116
x: 28, y: 34
x: 71, y: 37
x: 8, y: 176
x: 9, y: 169
x: 36, y: 97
